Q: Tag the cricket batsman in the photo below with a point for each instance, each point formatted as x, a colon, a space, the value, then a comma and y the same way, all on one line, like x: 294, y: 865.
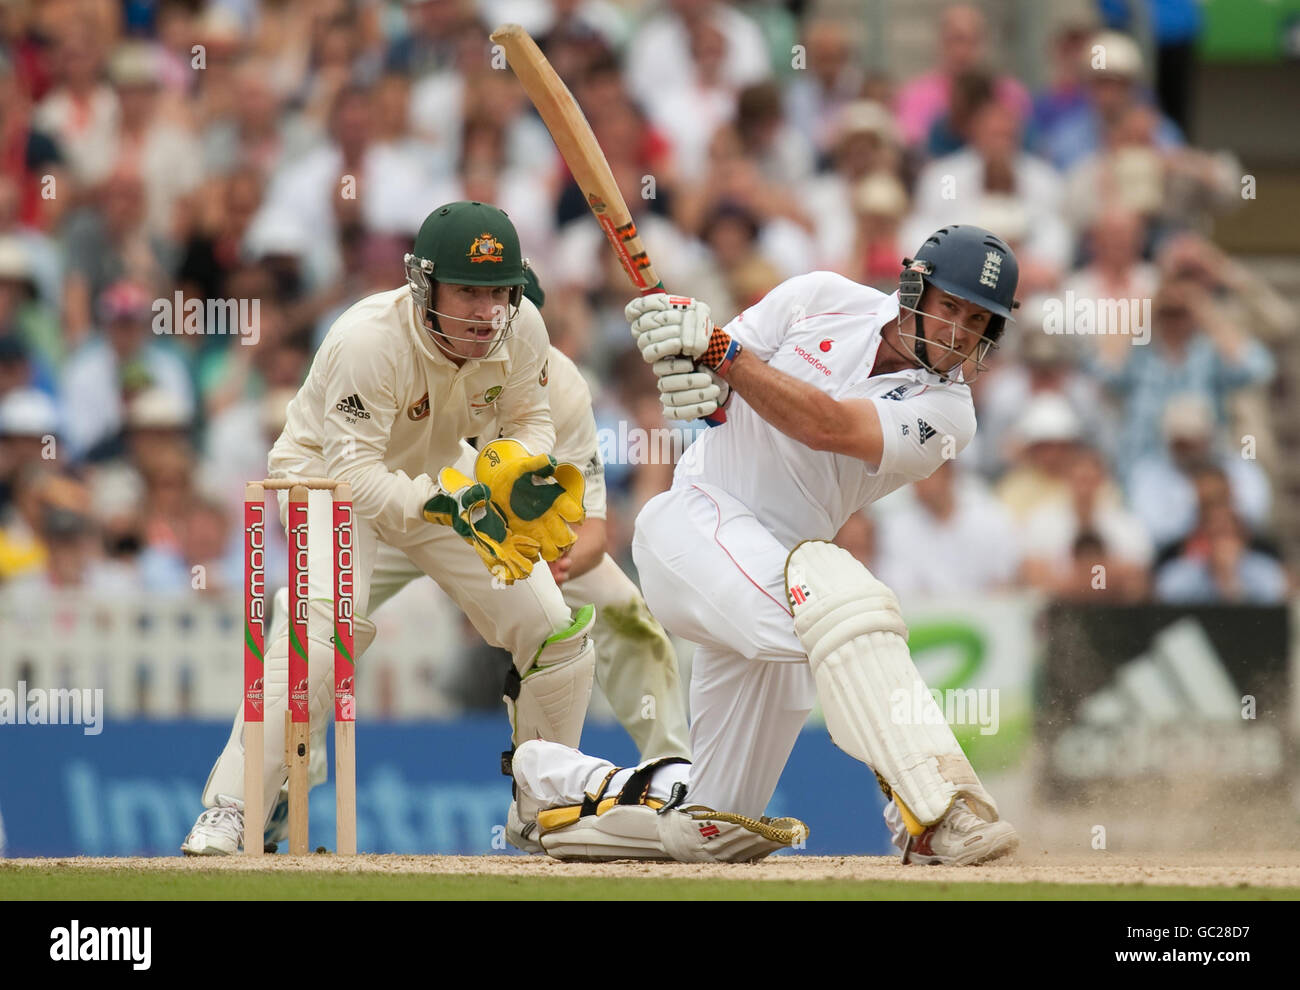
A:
x: 850, y: 394
x: 401, y: 380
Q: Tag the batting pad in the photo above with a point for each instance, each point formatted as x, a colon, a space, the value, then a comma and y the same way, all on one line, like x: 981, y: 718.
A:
x: 853, y: 631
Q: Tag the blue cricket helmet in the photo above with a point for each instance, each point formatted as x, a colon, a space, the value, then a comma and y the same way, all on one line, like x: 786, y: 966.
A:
x: 969, y: 262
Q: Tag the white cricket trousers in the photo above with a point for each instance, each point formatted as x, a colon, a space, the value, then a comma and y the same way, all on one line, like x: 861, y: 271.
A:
x: 712, y: 574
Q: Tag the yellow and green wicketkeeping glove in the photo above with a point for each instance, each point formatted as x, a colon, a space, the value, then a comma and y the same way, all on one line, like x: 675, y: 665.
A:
x: 467, y: 508
x: 539, y: 497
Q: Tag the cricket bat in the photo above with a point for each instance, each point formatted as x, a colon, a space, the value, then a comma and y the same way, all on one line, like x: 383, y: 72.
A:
x: 573, y: 136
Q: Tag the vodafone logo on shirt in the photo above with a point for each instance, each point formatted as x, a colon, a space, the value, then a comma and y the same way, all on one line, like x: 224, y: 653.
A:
x: 812, y: 359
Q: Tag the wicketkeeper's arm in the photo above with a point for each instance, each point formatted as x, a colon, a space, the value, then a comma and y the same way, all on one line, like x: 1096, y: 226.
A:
x: 354, y: 445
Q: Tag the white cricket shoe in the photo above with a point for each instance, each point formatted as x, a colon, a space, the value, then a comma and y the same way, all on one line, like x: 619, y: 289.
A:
x: 219, y: 831
x: 962, y: 838
x: 522, y: 834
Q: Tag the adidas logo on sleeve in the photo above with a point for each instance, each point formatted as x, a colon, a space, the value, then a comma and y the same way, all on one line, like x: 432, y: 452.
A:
x: 351, y: 406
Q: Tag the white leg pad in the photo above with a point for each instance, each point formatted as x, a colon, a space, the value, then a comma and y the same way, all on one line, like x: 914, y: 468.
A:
x: 550, y: 698
x: 853, y: 631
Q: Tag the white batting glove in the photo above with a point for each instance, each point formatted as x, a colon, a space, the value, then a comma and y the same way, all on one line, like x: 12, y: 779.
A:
x: 687, y: 392
x: 665, y: 325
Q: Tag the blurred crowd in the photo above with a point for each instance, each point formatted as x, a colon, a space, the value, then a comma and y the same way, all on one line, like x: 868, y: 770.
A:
x: 284, y: 153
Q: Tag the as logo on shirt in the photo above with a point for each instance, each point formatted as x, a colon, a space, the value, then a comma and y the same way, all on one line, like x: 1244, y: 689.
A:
x: 352, y: 408
x: 420, y: 410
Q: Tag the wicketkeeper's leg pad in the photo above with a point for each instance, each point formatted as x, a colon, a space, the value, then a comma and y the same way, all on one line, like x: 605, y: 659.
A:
x: 548, y: 698
x: 853, y: 631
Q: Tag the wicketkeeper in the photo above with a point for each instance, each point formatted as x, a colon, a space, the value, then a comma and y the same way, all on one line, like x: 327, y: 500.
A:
x: 402, y: 378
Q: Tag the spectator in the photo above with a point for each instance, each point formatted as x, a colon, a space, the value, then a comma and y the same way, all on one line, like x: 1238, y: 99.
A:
x: 731, y: 232
x: 879, y: 203
x: 1220, y: 568
x: 166, y: 156
x: 1040, y: 365
x: 1066, y: 91
x: 816, y: 97
x: 1112, y: 68
x: 690, y: 110
x: 949, y: 510
x: 82, y: 112
x: 1092, y: 506
x: 1170, y: 187
x: 1096, y: 575
x: 963, y: 46
x: 1164, y: 489
x: 106, y: 242
x: 1116, y: 273
x: 29, y: 425
x: 1194, y: 349
x: 23, y: 314
x: 994, y: 184
x: 865, y: 144
x: 432, y: 29
x: 110, y: 370
x: 30, y: 158
x: 666, y: 56
x: 1043, y: 447
x: 952, y: 131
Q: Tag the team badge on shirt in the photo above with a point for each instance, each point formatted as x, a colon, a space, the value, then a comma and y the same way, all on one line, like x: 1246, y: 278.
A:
x: 485, y: 247
x: 420, y: 410
x: 488, y: 397
x: 545, y: 376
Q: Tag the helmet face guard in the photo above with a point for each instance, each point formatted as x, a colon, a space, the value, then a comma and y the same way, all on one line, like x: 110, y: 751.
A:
x: 968, y: 263
x: 420, y: 277
x: 911, y: 287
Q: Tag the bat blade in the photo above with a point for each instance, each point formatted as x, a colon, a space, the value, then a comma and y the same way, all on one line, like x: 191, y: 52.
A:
x: 581, y: 152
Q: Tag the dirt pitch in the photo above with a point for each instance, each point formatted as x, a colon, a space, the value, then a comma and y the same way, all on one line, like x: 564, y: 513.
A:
x: 1251, y: 870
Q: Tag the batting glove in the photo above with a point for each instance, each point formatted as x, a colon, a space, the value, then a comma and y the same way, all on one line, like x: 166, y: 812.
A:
x: 665, y: 326
x: 687, y: 392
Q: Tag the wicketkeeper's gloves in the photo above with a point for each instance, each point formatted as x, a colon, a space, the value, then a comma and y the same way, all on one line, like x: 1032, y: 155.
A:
x: 467, y: 508
x: 539, y: 497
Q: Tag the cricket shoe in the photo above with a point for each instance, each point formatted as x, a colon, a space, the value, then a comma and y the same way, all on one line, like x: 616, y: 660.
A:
x: 219, y: 831
x: 522, y: 834
x: 961, y: 838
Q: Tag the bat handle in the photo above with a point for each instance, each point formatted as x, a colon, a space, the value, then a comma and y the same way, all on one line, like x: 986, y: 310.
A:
x: 653, y: 290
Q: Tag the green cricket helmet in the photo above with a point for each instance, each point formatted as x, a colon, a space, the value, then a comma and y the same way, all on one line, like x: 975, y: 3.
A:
x: 466, y: 243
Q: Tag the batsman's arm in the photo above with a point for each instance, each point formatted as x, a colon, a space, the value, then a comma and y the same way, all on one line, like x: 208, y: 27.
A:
x: 806, y: 414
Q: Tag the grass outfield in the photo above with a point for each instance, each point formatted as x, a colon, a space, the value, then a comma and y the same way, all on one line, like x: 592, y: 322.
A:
x: 85, y: 884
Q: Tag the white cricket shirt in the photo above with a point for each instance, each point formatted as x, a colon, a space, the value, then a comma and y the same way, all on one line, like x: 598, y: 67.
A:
x: 824, y: 329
